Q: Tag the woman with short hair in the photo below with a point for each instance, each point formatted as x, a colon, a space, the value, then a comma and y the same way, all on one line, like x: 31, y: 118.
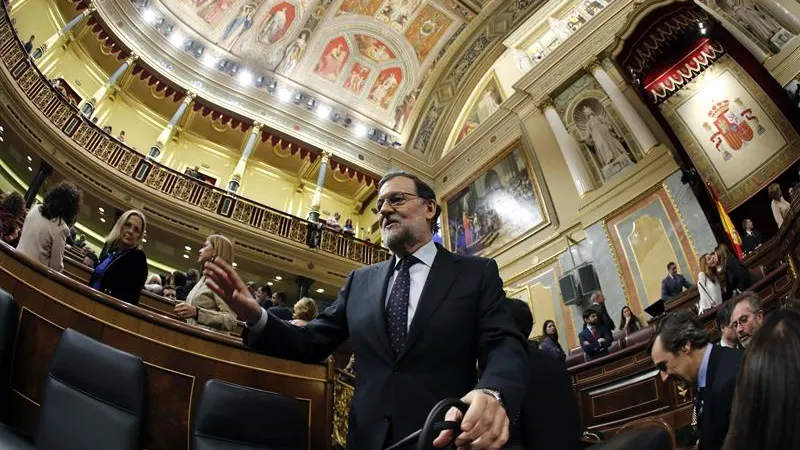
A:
x: 122, y: 270
x: 12, y: 208
x: 305, y: 310
x: 46, y: 227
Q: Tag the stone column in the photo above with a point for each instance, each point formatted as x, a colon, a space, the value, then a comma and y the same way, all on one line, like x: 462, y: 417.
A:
x: 569, y: 148
x: 316, y: 200
x: 644, y: 137
x: 55, y: 39
x: 238, y: 172
x: 89, y: 106
x: 734, y: 30
x: 41, y: 175
x: 166, y: 135
x: 784, y: 11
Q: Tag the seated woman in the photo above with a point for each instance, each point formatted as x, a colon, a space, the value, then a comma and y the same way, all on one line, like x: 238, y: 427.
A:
x: 709, y: 283
x: 629, y: 322
x: 737, y: 277
x: 46, y: 227
x: 550, y: 344
x: 305, y: 310
x: 122, y: 270
x: 202, y: 305
x: 12, y: 208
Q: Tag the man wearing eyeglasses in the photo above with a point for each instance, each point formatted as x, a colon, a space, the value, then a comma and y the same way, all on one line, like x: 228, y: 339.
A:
x: 418, y: 323
x: 747, y: 316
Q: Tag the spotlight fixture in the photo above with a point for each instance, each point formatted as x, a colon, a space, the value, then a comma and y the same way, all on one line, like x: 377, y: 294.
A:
x: 320, y: 291
x: 298, y: 97
x: 103, y: 219
x: 177, y: 39
x: 278, y: 277
x: 260, y: 81
x: 234, y: 69
x: 30, y: 159
x: 149, y: 15
x: 185, y: 256
x: 269, y: 283
x: 188, y: 249
x: 382, y: 139
x: 272, y: 85
x: 311, y: 103
x: 347, y: 122
x: 396, y: 144
x: 324, y: 111
x: 360, y: 130
x: 198, y: 52
x: 222, y: 64
x: 284, y: 94
x: 30, y: 169
x: 101, y: 209
x: 336, y: 116
x: 209, y: 60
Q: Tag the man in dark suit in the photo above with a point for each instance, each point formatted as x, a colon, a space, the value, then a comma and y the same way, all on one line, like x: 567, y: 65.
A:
x: 418, y: 323
x: 599, y: 306
x: 279, y: 307
x: 595, y: 338
x: 674, y: 283
x: 549, y: 418
x: 751, y: 238
x: 681, y: 351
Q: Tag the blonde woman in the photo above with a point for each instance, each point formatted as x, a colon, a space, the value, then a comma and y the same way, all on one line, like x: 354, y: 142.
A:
x: 202, y: 305
x: 709, y: 283
x: 122, y: 270
x: 305, y: 310
x: 780, y: 207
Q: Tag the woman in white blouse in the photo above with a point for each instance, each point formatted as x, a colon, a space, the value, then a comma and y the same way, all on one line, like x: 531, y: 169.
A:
x: 780, y: 207
x: 708, y: 283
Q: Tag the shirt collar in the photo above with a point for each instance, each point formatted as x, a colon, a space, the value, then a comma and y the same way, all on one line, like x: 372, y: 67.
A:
x: 701, y: 377
x: 426, y: 254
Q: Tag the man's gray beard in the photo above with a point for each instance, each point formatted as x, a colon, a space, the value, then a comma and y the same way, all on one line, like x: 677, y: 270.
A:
x: 399, y: 241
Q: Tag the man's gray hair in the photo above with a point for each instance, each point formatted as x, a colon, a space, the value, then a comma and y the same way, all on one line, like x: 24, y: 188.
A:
x: 755, y: 301
x: 595, y: 295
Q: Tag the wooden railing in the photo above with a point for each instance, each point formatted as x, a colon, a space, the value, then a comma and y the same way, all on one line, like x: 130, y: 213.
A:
x: 138, y: 168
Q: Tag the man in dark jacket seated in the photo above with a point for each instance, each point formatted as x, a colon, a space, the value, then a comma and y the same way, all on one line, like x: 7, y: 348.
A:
x: 549, y: 418
x: 595, y: 339
x: 279, y: 307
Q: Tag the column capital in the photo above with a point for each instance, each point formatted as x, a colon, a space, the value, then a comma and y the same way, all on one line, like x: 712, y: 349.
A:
x: 256, y: 127
x: 91, y: 9
x: 131, y: 59
x: 325, y: 156
x: 593, y: 65
x: 190, y: 95
x: 546, y: 103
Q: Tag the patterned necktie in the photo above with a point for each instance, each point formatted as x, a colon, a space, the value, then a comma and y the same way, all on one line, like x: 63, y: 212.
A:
x: 698, y: 408
x: 397, y: 307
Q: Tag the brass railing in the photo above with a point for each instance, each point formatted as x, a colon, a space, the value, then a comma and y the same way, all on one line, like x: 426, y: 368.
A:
x: 138, y: 168
x: 343, y: 387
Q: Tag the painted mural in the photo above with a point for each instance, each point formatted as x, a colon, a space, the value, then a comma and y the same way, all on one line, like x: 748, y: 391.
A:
x: 486, y: 100
x: 358, y: 76
x: 360, y: 7
x: 386, y: 86
x: 333, y: 59
x: 427, y: 29
x: 397, y: 13
x: 374, y: 49
x: 496, y: 208
x: 238, y: 26
x: 276, y: 23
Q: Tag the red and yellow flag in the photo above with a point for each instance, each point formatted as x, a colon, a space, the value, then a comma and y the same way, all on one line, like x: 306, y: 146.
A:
x: 727, y: 224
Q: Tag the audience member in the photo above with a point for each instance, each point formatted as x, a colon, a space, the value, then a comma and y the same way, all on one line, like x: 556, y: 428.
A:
x: 727, y: 332
x: 44, y: 234
x: 122, y: 271
x: 595, y: 338
x: 90, y: 259
x: 167, y: 279
x: 251, y: 288
x: 681, y: 352
x: 709, y: 284
x: 747, y: 316
x: 279, y: 307
x: 264, y: 296
x: 121, y: 136
x: 599, y: 305
x: 178, y: 280
x: 628, y: 321
x: 108, y: 129
x: 305, y: 310
x: 737, y: 277
x: 333, y: 221
x: 202, y: 305
x: 780, y: 207
x: 193, y: 172
x: 550, y: 345
x: 169, y: 292
x: 674, y: 283
x: 549, y: 418
x: 767, y: 395
x: 154, y: 284
x: 348, y: 227
x: 12, y: 208
x: 192, y: 275
x: 751, y: 238
x: 29, y: 45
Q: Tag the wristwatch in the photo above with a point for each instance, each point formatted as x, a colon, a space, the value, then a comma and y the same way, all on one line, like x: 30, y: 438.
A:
x: 495, y: 394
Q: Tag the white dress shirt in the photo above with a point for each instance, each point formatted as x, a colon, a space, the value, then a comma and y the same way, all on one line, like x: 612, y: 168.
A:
x: 710, y: 293
x: 418, y: 274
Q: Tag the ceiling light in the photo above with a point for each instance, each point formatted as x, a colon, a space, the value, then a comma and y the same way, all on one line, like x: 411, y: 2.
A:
x: 320, y: 290
x: 284, y: 94
x: 144, y: 240
x: 235, y: 265
x: 269, y: 283
x: 188, y: 249
x: 185, y: 256
x: 29, y: 158
x: 2, y: 129
x: 324, y: 111
x: 177, y: 39
x: 30, y: 169
x: 209, y: 60
x: 278, y: 277
x: 360, y: 130
x: 100, y: 208
x: 103, y: 219
x: 245, y: 78
x: 1, y: 138
x: 149, y: 15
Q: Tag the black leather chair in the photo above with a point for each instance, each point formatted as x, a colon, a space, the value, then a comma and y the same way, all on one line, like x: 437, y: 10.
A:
x: 8, y: 330
x: 650, y: 433
x: 93, y: 398
x: 233, y: 417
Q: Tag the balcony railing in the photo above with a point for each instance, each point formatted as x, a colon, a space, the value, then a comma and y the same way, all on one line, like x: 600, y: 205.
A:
x: 140, y: 169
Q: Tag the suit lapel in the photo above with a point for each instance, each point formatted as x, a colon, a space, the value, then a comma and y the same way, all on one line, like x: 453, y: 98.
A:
x: 442, y: 275
x: 379, y: 281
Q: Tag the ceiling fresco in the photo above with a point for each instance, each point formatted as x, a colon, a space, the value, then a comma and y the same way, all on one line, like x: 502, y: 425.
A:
x: 369, y: 55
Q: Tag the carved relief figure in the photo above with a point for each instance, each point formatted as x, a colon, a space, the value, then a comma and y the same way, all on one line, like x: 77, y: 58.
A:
x: 385, y: 86
x: 333, y: 59
x: 358, y: 76
x: 277, y: 21
x: 397, y: 12
x: 211, y: 10
x: 426, y: 30
x: 597, y: 131
x: 237, y: 27
x: 293, y: 53
x: 762, y: 26
x: 559, y: 28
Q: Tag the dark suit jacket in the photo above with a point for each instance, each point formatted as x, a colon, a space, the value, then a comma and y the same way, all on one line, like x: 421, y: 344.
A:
x: 550, y: 347
x: 605, y: 318
x: 736, y: 276
x: 125, y: 277
x: 672, y: 287
x: 749, y: 243
x: 723, y: 368
x: 460, y: 318
x: 283, y: 312
x: 595, y: 349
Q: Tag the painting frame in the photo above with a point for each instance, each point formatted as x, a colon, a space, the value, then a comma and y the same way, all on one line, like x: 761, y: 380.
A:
x: 534, y: 176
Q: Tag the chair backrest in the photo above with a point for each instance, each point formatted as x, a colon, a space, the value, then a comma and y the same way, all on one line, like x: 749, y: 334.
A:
x: 650, y: 433
x: 93, y: 397
x: 233, y: 417
x: 8, y: 329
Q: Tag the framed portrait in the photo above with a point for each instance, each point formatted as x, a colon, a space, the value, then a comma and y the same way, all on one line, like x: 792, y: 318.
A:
x: 497, y: 208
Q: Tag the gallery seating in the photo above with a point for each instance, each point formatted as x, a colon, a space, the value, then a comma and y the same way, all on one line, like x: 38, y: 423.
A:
x: 234, y: 417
